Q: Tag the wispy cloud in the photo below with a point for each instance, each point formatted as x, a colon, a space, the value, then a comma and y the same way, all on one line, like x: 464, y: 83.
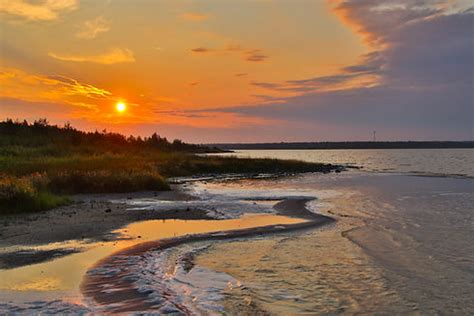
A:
x: 90, y: 29
x: 255, y: 55
x: 113, y: 56
x: 252, y: 55
x: 73, y: 87
x: 20, y: 85
x: 366, y: 73
x: 201, y: 50
x: 194, y: 16
x: 43, y: 10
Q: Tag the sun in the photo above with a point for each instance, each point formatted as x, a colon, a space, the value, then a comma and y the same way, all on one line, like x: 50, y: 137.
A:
x: 120, y: 107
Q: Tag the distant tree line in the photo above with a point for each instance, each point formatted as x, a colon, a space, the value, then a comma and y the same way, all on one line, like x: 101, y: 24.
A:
x: 41, y: 133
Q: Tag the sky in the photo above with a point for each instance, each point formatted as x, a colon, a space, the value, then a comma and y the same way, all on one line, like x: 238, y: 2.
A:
x: 209, y: 71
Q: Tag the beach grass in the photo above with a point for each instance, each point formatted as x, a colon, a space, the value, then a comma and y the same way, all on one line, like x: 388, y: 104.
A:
x: 40, y: 168
x: 27, y: 194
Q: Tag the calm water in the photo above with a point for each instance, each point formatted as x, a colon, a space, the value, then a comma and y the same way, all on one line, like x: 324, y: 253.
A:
x: 403, y: 243
x: 424, y: 161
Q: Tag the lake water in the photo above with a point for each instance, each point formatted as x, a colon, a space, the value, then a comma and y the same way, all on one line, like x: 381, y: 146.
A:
x: 449, y: 162
x: 403, y: 242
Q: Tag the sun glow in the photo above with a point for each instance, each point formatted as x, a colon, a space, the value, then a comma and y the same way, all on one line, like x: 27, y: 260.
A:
x: 120, y: 107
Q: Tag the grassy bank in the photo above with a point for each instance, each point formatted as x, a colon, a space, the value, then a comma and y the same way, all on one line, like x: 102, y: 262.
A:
x: 41, y: 165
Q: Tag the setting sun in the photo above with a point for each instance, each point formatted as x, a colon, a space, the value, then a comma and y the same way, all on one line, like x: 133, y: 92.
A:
x: 121, y: 107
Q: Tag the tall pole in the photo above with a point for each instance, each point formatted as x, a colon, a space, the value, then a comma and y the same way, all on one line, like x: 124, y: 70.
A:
x: 375, y: 136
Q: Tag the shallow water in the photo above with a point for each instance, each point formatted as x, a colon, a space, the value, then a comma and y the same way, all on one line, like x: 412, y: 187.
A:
x: 54, y: 285
x: 401, y: 244
x: 421, y: 161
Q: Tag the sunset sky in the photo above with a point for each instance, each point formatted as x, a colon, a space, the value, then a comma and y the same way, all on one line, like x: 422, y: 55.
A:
x: 242, y: 70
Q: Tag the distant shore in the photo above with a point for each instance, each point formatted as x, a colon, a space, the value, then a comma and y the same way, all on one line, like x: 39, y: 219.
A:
x: 349, y: 145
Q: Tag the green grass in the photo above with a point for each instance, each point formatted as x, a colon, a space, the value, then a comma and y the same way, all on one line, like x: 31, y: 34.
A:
x: 27, y: 194
x: 40, y: 165
x: 37, y: 181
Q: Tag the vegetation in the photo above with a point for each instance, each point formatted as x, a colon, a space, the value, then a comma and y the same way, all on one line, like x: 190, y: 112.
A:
x: 41, y: 164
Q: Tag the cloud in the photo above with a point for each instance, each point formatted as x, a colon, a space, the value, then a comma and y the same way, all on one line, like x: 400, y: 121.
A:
x: 367, y: 72
x: 255, y: 55
x: 194, y: 16
x: 90, y: 29
x: 73, y: 87
x: 201, y: 50
x: 43, y: 10
x: 252, y: 55
x: 376, y: 20
x: 113, y: 56
x: 416, y: 83
x: 21, y: 85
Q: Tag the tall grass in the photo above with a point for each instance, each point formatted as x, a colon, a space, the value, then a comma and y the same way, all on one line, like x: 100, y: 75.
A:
x: 40, y: 165
x: 27, y: 194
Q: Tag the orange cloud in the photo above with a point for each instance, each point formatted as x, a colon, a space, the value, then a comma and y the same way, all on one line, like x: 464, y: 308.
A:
x: 113, y: 56
x: 20, y: 85
x: 254, y: 55
x: 44, y: 10
x: 90, y: 29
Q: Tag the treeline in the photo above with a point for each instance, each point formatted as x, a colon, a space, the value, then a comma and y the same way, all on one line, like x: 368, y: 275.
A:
x: 351, y: 145
x: 42, y: 134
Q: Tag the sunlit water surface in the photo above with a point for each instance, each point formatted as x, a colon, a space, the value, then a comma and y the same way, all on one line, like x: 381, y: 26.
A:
x: 54, y: 286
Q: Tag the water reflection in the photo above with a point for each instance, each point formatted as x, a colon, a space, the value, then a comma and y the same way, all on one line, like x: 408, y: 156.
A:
x: 62, y: 276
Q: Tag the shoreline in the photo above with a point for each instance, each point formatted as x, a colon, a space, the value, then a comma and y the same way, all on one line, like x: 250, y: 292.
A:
x: 122, y: 295
x: 91, y: 218
x: 96, y: 218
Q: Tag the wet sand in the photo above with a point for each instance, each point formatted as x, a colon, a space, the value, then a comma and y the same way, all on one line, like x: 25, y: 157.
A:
x: 117, y: 293
x: 90, y: 218
x: 104, y: 225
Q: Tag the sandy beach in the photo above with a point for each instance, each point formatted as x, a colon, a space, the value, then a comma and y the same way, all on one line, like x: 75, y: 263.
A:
x: 73, y: 222
x: 100, y: 219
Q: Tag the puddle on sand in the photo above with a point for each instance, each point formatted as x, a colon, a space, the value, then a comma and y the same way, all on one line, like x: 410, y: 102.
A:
x: 60, y: 278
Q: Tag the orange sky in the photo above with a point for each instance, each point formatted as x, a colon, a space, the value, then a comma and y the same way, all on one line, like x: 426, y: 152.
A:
x: 164, y: 57
x: 175, y: 63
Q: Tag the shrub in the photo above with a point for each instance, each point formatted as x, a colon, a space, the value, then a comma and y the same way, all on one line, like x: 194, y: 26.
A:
x: 27, y: 194
x: 106, y: 181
